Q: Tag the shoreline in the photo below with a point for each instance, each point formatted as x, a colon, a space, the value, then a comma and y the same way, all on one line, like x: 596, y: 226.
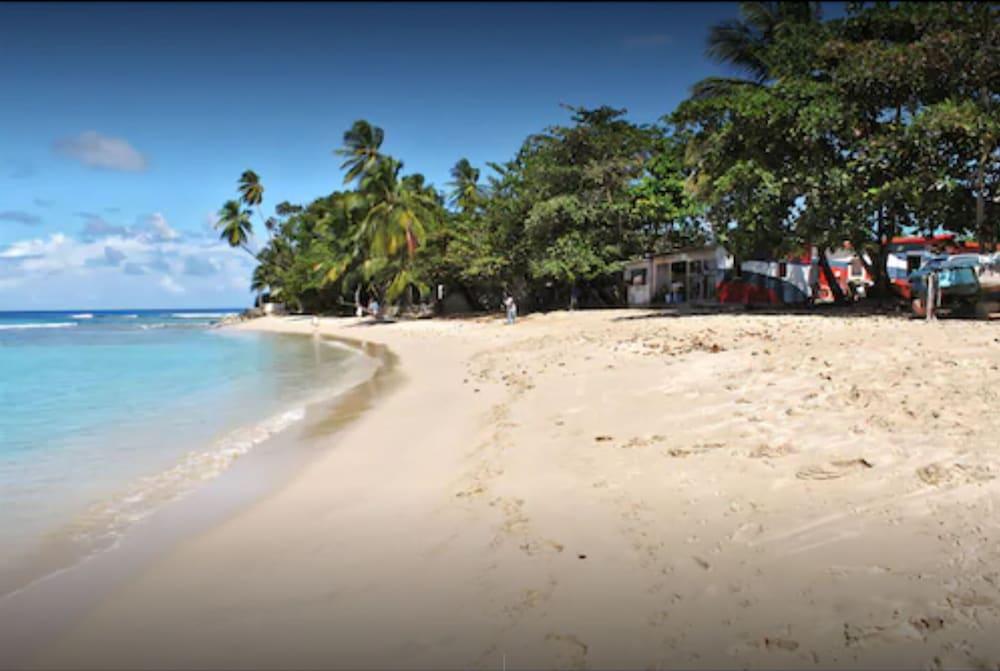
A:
x: 609, y: 489
x: 249, y: 477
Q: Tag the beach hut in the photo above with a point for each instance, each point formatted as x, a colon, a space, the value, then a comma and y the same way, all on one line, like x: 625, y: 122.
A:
x: 689, y: 275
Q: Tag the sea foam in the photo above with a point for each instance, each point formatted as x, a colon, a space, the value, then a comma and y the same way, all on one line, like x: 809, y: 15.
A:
x: 40, y: 325
x: 200, y: 315
x: 104, y: 523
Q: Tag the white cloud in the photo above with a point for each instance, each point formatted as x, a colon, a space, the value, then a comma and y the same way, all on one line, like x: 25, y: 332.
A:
x: 150, y: 228
x: 112, y: 257
x: 26, y: 249
x: 150, y: 261
x: 156, y: 225
x: 100, y: 151
x: 170, y: 284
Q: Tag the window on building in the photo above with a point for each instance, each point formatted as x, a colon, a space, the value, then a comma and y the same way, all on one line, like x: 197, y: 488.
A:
x: 782, y: 269
x: 638, y: 277
x: 912, y: 263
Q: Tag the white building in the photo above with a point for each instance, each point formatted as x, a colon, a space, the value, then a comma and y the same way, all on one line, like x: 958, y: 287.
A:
x: 707, y: 275
x: 686, y: 275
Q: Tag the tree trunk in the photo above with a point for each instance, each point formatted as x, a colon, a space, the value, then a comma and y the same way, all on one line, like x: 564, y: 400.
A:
x: 881, y: 266
x: 983, y: 232
x: 986, y: 233
x: 831, y: 279
x: 263, y: 222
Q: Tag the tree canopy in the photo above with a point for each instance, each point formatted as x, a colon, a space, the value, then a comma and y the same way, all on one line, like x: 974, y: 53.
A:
x: 830, y: 131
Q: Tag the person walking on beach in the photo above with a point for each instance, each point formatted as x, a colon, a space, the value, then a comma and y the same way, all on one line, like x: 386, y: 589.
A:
x: 511, y: 307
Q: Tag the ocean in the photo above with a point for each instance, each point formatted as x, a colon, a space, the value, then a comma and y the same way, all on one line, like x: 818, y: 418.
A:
x: 108, y: 415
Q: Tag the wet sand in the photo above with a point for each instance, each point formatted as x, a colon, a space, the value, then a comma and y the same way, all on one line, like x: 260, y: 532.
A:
x: 610, y: 489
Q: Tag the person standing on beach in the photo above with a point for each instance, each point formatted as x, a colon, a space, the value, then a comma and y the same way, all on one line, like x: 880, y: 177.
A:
x: 511, y: 307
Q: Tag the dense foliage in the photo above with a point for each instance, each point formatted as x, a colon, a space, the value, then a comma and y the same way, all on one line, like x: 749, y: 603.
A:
x: 860, y: 129
x: 857, y: 129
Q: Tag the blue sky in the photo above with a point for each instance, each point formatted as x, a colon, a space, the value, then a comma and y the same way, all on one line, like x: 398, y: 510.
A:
x: 124, y: 127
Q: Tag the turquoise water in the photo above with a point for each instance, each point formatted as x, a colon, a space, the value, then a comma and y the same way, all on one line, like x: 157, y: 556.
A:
x: 107, y: 415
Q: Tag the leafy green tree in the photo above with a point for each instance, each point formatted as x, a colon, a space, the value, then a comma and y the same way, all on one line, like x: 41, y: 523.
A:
x: 569, y: 217
x: 856, y: 129
x: 667, y: 215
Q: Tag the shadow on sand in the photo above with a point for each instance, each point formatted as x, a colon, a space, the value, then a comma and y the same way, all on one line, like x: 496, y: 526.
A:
x: 861, y: 309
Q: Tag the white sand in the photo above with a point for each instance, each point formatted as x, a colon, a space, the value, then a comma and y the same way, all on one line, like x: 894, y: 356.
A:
x: 593, y: 490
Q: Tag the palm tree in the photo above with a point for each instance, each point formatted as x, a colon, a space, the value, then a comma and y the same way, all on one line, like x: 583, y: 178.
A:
x: 361, y: 149
x: 466, y: 191
x: 395, y: 215
x: 234, y: 224
x: 252, y: 193
x: 251, y: 190
x: 742, y: 43
x: 399, y: 214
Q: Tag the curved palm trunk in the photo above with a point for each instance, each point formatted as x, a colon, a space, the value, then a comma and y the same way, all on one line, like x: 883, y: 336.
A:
x: 247, y: 250
x: 263, y: 222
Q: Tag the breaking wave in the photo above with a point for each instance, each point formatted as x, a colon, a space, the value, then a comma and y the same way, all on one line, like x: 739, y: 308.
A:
x: 200, y: 315
x: 40, y: 325
x: 104, y: 523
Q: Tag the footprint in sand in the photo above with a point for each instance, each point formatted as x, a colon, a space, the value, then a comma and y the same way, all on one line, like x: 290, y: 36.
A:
x: 746, y: 532
x: 534, y: 547
x: 834, y: 469
x: 914, y: 629
x: 697, y: 448
x: 772, y: 451
x: 573, y: 651
x: 943, y: 474
x: 785, y: 644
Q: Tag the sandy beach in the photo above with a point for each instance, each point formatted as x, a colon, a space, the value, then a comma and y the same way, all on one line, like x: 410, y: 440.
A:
x: 612, y: 488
